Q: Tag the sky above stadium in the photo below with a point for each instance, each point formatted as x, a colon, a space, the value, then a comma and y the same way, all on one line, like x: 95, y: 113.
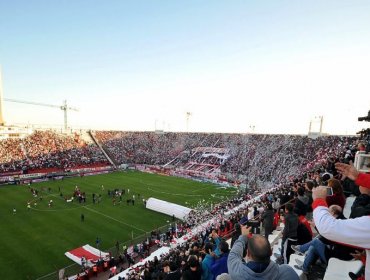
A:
x: 237, y: 66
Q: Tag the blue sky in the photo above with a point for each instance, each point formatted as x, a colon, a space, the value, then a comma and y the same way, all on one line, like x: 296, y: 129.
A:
x: 271, y: 65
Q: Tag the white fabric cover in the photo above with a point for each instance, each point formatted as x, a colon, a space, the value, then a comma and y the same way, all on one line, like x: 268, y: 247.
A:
x: 167, y: 208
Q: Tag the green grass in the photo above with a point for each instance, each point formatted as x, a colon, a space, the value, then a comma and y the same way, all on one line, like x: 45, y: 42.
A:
x: 33, y: 242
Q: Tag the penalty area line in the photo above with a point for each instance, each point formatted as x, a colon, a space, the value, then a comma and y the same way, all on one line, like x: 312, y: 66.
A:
x: 109, y: 217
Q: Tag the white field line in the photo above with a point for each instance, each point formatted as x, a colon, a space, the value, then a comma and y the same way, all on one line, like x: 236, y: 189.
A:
x: 109, y: 217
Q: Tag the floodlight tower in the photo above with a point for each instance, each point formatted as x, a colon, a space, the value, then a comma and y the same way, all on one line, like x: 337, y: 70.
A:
x: 317, y: 119
x: 321, y: 122
x: 188, y: 115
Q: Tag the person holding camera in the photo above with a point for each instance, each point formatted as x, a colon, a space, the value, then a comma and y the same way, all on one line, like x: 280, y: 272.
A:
x: 259, y: 265
x: 361, y: 179
x: 353, y: 232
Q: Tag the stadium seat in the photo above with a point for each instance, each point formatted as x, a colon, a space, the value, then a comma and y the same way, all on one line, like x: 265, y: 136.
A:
x: 292, y: 263
x: 348, y: 205
x: 273, y: 238
x: 275, y: 250
x: 338, y: 269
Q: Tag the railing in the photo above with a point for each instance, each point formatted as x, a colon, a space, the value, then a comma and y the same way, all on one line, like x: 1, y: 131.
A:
x: 108, y: 157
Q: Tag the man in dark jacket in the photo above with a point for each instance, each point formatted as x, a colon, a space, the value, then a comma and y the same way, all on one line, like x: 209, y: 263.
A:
x: 172, y: 272
x: 361, y: 205
x: 289, y: 232
x: 268, y: 220
x: 308, y: 192
x: 301, y: 204
x: 194, y: 271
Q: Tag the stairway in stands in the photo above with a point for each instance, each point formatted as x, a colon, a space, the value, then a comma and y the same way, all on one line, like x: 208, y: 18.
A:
x: 90, y: 135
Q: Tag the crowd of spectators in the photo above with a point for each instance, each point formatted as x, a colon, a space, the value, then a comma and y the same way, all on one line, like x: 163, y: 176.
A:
x: 200, y: 256
x: 250, y: 158
x: 11, y: 155
x: 254, y: 158
x: 293, y: 164
x: 48, y: 149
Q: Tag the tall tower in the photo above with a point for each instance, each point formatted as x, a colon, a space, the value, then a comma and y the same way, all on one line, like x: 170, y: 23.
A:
x: 1, y: 100
x: 188, y: 115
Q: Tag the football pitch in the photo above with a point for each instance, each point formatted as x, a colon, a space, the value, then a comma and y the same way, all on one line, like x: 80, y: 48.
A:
x: 33, y: 241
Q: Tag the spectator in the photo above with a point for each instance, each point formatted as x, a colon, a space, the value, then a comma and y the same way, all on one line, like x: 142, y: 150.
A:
x: 237, y: 232
x: 268, y: 220
x: 220, y: 264
x: 289, y: 232
x: 172, y: 272
x: 338, y: 197
x: 194, y: 272
x: 276, y: 203
x: 301, y: 204
x: 208, y: 262
x: 322, y: 247
x: 361, y: 179
x: 361, y: 205
x: 259, y: 265
x: 308, y: 192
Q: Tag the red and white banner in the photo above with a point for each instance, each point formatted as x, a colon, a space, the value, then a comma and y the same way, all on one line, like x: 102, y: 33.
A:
x: 90, y: 169
x: 90, y: 253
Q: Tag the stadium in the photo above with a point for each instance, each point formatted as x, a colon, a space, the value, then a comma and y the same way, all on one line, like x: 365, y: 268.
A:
x: 61, y: 191
x: 251, y: 171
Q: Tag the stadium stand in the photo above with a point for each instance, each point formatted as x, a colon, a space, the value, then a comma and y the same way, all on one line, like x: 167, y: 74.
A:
x: 258, y: 161
x: 48, y: 150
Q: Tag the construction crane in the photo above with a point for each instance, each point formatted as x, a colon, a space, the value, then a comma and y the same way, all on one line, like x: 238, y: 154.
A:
x: 63, y: 107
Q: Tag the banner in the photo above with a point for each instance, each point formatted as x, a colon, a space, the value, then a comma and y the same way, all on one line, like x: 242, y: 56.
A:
x: 6, y: 179
x: 90, y: 169
x: 11, y: 173
x: 30, y: 176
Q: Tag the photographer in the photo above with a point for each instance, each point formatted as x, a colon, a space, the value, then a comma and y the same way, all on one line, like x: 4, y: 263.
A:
x: 361, y: 179
x: 259, y: 265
